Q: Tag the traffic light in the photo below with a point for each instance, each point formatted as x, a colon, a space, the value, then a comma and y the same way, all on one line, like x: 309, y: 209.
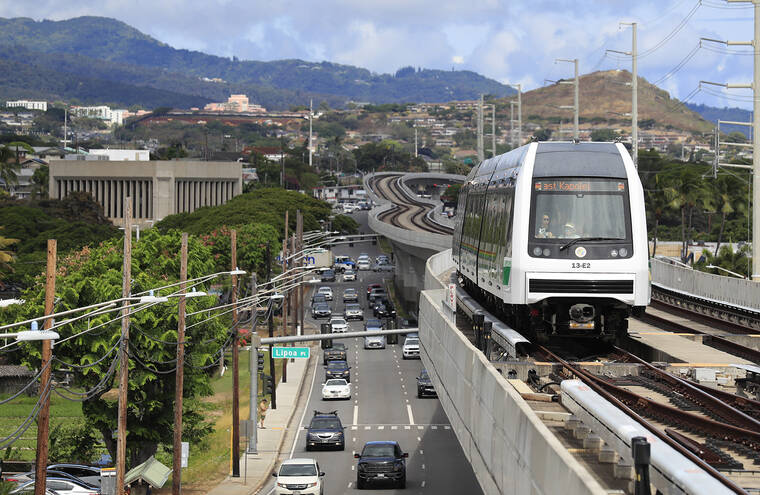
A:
x: 261, y: 361
x: 268, y: 387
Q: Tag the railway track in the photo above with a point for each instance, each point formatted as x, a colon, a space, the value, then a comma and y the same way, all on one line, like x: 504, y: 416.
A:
x: 406, y: 211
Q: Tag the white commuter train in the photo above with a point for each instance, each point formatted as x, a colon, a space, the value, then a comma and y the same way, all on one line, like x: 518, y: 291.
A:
x: 553, y: 236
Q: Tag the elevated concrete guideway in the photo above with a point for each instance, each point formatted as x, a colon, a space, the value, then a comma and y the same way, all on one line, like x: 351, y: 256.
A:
x: 411, y: 248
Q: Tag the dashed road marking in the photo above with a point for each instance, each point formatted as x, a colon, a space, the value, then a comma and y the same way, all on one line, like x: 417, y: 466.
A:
x: 423, y: 484
x: 354, y: 427
x: 433, y: 427
x: 367, y: 427
x: 407, y: 427
x: 422, y: 452
x: 394, y: 427
x: 447, y: 427
x: 356, y: 414
x: 381, y: 427
x: 419, y: 439
x: 420, y: 427
x: 409, y: 411
x: 423, y: 466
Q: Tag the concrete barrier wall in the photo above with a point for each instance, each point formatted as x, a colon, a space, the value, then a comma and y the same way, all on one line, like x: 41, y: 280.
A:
x: 511, y: 451
x: 727, y: 290
x: 413, y: 238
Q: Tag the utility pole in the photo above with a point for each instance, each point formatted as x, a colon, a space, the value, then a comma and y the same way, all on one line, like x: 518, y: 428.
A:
x: 755, y: 86
x: 415, y: 141
x: 180, y: 374
x: 512, y: 124
x: 253, y: 366
x: 272, y: 369
x: 43, y: 420
x: 481, y: 152
x: 235, y: 363
x: 575, y: 95
x: 634, y: 93
x: 299, y: 232
x: 285, y: 300
x: 311, y: 116
x: 121, y: 437
x: 493, y: 130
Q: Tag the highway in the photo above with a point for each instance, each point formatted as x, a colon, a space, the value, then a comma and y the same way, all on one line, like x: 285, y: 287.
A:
x: 384, y: 406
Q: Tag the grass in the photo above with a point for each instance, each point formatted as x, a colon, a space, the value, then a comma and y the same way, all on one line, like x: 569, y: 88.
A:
x: 209, y: 464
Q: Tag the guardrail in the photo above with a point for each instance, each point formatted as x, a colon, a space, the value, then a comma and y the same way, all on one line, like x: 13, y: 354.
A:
x: 736, y: 292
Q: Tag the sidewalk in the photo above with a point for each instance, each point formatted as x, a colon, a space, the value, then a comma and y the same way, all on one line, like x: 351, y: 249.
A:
x: 270, y: 439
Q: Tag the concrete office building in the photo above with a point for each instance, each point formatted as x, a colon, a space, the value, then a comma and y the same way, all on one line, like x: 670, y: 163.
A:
x: 157, y: 188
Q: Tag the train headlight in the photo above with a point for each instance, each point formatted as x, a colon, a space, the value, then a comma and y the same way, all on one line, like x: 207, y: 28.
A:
x: 547, y: 252
x: 614, y: 253
x: 537, y: 251
x: 623, y: 252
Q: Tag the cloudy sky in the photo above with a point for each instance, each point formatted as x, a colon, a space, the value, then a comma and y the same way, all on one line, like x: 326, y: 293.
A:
x: 512, y: 41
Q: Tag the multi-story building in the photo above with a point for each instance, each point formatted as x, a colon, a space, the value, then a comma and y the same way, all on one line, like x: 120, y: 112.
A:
x: 29, y: 105
x: 156, y: 188
x: 235, y: 104
x: 101, y: 112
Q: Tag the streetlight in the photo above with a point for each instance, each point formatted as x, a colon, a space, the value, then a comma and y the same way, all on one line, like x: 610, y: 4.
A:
x: 727, y: 271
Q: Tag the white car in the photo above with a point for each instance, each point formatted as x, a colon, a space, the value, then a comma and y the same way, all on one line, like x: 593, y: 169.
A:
x: 300, y: 476
x: 411, y: 349
x: 353, y: 311
x: 57, y: 486
x: 338, y: 325
x: 327, y: 292
x: 336, y: 388
x: 349, y: 275
x: 364, y: 264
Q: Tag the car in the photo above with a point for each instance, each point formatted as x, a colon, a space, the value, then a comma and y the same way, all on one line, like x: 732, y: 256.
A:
x: 382, y: 267
x: 88, y: 474
x: 350, y: 295
x: 364, y: 264
x: 382, y: 258
x: 425, y: 385
x: 374, y: 341
x: 327, y: 292
x: 59, y: 486
x: 349, y: 276
x: 381, y: 461
x: 338, y: 369
x: 341, y: 263
x: 411, y: 348
x: 353, y: 312
x: 335, y: 353
x: 387, y: 311
x: 321, y: 310
x: 58, y: 474
x: 381, y: 310
x: 373, y: 286
x: 318, y: 298
x: 338, y: 325
x: 325, y: 430
x: 337, y: 388
x: 349, y: 208
x: 27, y: 488
x: 299, y: 476
x: 376, y: 294
x: 328, y: 275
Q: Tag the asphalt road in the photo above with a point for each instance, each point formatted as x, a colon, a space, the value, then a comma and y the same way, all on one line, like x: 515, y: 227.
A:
x: 384, y: 406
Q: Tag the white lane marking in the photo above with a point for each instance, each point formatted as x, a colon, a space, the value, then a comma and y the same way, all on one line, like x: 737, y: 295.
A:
x: 407, y: 401
x: 381, y: 427
x: 419, y: 439
x: 402, y: 379
x: 367, y: 427
x: 354, y: 427
x: 394, y: 427
x: 420, y: 427
x: 434, y: 427
x: 353, y: 440
x: 356, y: 414
x: 399, y: 372
x: 409, y: 411
x: 423, y: 466
x: 407, y: 427
x: 303, y: 415
x: 352, y: 467
x: 447, y: 427
x: 406, y: 393
x: 423, y: 484
x: 422, y: 452
x: 349, y: 484
x: 403, y: 386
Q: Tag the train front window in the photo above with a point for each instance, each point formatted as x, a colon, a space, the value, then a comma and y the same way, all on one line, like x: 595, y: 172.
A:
x: 564, y: 209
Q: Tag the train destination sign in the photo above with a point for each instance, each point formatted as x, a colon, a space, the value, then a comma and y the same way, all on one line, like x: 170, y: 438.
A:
x: 579, y: 186
x: 290, y: 352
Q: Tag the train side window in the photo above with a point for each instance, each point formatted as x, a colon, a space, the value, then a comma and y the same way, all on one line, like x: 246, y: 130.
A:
x: 509, y: 213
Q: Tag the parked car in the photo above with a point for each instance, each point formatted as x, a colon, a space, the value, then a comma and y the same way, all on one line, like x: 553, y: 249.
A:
x: 411, y: 349
x: 349, y: 275
x: 381, y: 461
x: 425, y: 385
x: 328, y: 276
x: 353, y: 312
x: 321, y: 310
x: 350, y: 295
x: 59, y: 486
x: 57, y: 474
x: 338, y: 369
x: 27, y: 488
x: 299, y: 476
x: 338, y: 325
x: 88, y: 474
x: 335, y: 353
x: 337, y: 388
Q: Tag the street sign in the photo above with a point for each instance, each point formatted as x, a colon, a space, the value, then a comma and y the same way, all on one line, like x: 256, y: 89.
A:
x: 290, y: 352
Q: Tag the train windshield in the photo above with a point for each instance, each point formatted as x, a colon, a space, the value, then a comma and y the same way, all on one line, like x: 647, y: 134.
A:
x: 580, y: 208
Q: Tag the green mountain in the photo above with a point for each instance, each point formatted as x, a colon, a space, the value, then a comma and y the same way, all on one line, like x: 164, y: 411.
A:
x: 111, y: 50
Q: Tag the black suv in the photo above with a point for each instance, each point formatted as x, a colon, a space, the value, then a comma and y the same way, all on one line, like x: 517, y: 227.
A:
x: 377, y: 294
x: 335, y: 353
x: 425, y: 385
x: 338, y: 369
x: 321, y: 310
x: 325, y: 430
x: 381, y: 461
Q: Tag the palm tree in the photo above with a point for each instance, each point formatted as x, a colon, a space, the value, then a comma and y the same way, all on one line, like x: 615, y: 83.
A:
x: 8, y: 167
x: 6, y: 256
x: 684, y: 190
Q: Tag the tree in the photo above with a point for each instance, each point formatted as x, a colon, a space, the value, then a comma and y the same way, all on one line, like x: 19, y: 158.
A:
x: 41, y: 182
x: 684, y: 189
x: 604, y: 135
x: 725, y: 189
x: 6, y: 255
x: 8, y: 167
x: 542, y: 134
x: 94, y: 275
